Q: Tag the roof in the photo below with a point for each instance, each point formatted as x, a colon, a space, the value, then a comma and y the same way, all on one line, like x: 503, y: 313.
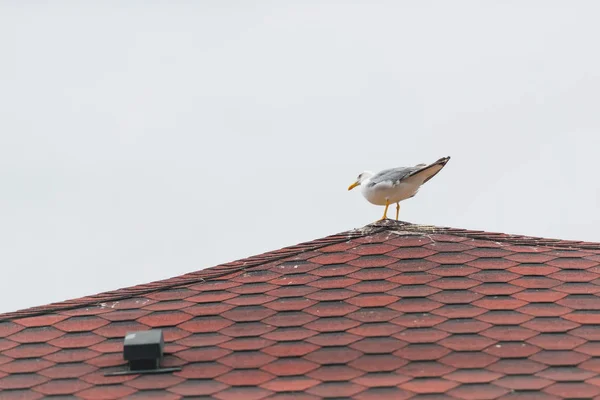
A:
x: 391, y: 310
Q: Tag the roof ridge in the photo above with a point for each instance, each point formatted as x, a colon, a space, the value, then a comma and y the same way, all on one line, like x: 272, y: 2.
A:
x: 289, y: 251
x: 194, y: 277
x: 521, y: 240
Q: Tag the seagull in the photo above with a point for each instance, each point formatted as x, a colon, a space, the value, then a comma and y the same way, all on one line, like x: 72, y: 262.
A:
x: 396, y: 184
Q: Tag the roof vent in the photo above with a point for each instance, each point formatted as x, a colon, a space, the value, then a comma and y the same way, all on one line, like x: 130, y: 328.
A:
x: 144, y: 352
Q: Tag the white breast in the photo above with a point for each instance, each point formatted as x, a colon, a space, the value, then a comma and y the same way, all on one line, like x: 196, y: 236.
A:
x: 385, y: 191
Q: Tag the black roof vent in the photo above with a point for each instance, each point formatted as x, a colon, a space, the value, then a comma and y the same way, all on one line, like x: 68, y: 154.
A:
x: 144, y: 351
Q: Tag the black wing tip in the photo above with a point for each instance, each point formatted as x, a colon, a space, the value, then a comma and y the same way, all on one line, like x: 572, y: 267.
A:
x: 442, y: 160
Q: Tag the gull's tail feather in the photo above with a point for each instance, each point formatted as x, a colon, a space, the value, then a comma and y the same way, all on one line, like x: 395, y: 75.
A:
x: 431, y: 170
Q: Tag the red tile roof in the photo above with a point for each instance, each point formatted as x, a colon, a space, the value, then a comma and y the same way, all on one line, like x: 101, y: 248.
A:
x: 391, y: 310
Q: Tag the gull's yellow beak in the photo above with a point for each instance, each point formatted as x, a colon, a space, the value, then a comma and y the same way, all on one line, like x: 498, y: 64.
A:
x: 355, y: 184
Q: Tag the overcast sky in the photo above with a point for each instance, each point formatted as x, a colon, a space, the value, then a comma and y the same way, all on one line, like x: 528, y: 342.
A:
x: 143, y: 140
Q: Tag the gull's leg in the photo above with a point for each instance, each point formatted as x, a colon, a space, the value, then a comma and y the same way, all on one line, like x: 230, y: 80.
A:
x: 387, y: 204
x: 397, y: 210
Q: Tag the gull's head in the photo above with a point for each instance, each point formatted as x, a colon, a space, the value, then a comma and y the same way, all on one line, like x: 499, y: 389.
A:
x: 362, y: 177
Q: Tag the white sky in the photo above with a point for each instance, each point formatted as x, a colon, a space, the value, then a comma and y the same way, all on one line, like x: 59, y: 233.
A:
x: 142, y: 140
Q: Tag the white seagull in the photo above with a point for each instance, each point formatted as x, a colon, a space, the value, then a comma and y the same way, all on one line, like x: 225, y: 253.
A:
x: 396, y: 184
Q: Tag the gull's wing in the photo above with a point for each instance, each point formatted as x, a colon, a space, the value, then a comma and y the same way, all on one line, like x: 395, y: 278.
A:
x: 395, y: 175
x: 392, y: 175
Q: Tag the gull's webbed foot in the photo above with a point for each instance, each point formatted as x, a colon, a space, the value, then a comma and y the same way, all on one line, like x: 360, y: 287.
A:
x: 387, y: 204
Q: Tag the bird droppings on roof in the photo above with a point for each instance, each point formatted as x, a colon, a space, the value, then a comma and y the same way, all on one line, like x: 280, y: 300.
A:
x: 392, y: 310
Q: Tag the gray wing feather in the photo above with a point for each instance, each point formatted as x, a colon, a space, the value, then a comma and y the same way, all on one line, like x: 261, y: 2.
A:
x: 395, y: 175
x: 392, y: 175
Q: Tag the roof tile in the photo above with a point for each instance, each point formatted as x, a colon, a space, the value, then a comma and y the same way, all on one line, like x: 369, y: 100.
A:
x: 69, y: 355
x: 372, y: 262
x: 333, y: 339
x: 203, y: 370
x: 290, y: 366
x: 533, y: 269
x: 21, y: 395
x: 378, y: 345
x: 381, y: 379
x: 74, y: 340
x: 371, y: 249
x: 451, y: 258
x: 28, y: 350
x: 199, y: 354
x: 467, y: 342
x: 509, y: 333
x: 247, y: 343
x: 290, y: 384
x: 463, y: 325
x: 120, y: 329
x: 290, y: 349
x: 331, y: 309
x: 544, y: 309
x: 334, y: 258
x: 289, y: 333
x: 331, y: 373
x: 493, y: 263
x: 565, y: 374
x: 511, y: 366
x: 422, y: 352
x: 196, y: 387
x: 454, y: 283
x: 556, y: 341
x: 21, y: 381
x: 567, y: 389
x: 62, y: 387
x: 248, y: 359
x: 39, y: 320
x: 512, y: 349
x: 412, y: 253
x: 536, y: 282
x: 204, y: 324
x: 164, y: 318
x: 539, y: 295
x: 481, y: 391
x: 36, y: 335
x: 25, y: 365
x: 453, y: 270
x: 578, y: 288
x: 421, y: 335
x: 65, y: 370
x: 418, y: 320
x: 336, y: 389
x: 459, y: 311
x: 123, y: 315
x: 378, y: 363
x: 248, y: 313
x: 559, y: 357
x: 413, y: 278
x: 414, y: 305
x: 468, y: 360
x: 476, y: 375
x: 245, y: 377
x: 333, y: 355
x: 550, y: 324
x: 456, y: 297
x: 429, y: 385
x: 372, y: 300
x: 572, y: 263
